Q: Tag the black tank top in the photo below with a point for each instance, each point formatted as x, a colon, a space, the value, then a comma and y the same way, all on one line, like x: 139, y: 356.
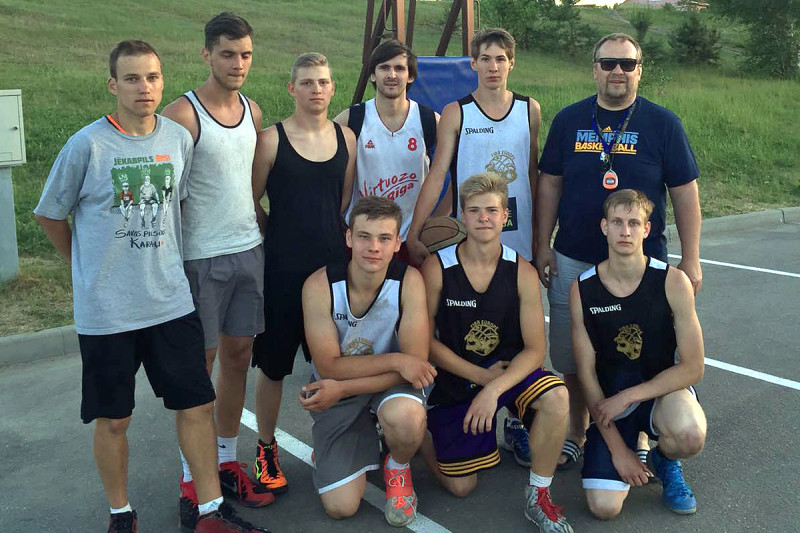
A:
x: 482, y: 328
x: 305, y: 229
x: 633, y: 337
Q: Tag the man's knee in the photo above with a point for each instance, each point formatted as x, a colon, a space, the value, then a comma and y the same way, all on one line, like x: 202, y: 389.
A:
x: 689, y: 441
x: 235, y: 353
x: 340, y: 508
x: 461, y: 487
x: 115, y: 427
x: 200, y: 413
x: 554, y: 402
x: 604, y: 509
x: 403, y: 418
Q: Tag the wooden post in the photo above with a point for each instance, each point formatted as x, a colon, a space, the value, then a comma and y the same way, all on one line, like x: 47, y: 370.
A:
x: 399, y: 20
x: 412, y: 12
x: 449, y: 26
x: 467, y: 26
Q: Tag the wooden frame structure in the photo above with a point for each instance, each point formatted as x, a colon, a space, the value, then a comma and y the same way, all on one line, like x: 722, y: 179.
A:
x: 375, y: 30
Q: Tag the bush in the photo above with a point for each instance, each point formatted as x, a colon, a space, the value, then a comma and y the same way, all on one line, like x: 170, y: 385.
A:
x: 695, y: 42
x: 542, y: 25
x: 655, y: 50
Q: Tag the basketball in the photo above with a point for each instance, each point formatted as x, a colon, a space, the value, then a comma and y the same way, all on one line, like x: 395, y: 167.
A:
x: 441, y: 232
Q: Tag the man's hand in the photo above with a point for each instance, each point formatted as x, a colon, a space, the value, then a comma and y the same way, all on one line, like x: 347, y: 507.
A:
x: 418, y: 372
x: 480, y: 416
x: 320, y: 395
x: 606, y: 410
x: 545, y: 264
x: 694, y: 272
x: 493, y: 371
x: 417, y: 251
x: 630, y: 468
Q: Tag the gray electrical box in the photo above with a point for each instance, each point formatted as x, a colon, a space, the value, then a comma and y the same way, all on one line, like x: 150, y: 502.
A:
x: 12, y: 129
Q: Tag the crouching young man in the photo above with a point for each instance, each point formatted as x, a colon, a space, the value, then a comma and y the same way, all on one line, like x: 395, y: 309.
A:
x: 485, y: 305
x: 367, y: 332
x: 629, y: 314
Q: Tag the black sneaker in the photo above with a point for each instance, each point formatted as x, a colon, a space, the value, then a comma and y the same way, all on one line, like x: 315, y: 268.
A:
x: 122, y: 522
x: 225, y: 520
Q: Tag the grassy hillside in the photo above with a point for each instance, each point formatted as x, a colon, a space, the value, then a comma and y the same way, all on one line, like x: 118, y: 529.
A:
x: 744, y: 131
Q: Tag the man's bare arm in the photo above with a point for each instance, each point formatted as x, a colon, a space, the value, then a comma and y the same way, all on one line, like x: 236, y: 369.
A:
x: 343, y: 118
x: 258, y: 116
x: 446, y: 136
x: 350, y: 171
x: 182, y: 112
x: 548, y: 195
x: 688, y: 219
x: 266, y: 151
x: 59, y: 234
x: 535, y: 121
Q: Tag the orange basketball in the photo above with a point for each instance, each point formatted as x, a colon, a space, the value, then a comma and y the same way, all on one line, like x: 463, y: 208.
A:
x: 441, y: 232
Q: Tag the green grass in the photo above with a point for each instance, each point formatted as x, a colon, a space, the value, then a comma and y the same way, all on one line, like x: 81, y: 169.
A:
x: 744, y: 131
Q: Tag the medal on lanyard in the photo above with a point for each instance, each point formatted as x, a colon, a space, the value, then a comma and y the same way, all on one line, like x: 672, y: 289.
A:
x: 610, y: 178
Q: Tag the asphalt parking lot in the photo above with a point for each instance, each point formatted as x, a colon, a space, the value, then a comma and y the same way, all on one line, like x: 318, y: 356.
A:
x: 747, y: 478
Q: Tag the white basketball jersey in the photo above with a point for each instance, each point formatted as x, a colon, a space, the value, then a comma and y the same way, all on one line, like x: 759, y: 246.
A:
x: 502, y: 146
x: 219, y: 217
x: 376, y: 331
x: 391, y: 164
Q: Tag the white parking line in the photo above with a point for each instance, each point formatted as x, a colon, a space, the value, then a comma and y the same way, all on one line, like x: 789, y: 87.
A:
x: 373, y: 495
x: 769, y: 378
x: 743, y: 267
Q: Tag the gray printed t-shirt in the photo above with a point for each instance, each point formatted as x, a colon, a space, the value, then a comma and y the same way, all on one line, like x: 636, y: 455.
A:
x: 124, y: 194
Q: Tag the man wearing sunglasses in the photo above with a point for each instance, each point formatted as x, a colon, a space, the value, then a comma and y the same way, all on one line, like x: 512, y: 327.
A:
x: 610, y: 141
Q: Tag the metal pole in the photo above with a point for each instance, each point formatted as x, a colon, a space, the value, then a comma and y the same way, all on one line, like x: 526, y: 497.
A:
x: 9, y: 259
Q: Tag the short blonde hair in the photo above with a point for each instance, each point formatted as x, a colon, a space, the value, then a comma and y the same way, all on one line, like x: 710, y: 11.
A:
x: 486, y: 182
x: 376, y: 208
x: 628, y: 198
x: 309, y: 59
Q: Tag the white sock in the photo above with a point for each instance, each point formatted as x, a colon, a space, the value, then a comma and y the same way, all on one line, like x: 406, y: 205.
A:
x: 187, y: 475
x: 209, y: 507
x: 394, y: 465
x: 226, y: 449
x: 536, y: 480
x: 121, y: 510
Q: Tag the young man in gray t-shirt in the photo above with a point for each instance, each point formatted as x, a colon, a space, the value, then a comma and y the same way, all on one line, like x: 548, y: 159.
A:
x: 119, y: 161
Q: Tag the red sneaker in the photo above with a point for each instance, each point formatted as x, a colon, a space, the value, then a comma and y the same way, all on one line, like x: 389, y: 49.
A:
x: 401, y: 500
x: 237, y: 484
x: 224, y: 520
x: 187, y: 506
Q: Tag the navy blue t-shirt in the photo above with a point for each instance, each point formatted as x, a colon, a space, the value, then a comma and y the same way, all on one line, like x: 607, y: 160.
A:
x: 654, y: 154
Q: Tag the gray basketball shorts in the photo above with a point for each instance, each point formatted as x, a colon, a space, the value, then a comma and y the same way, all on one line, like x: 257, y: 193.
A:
x: 561, y: 356
x: 228, y: 292
x: 346, y: 440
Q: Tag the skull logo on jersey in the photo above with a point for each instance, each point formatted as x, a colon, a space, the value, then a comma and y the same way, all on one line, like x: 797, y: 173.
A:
x: 502, y: 163
x: 483, y: 337
x: 359, y: 346
x: 629, y: 341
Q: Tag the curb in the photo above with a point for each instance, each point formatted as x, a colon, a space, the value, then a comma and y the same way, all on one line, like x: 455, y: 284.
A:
x: 747, y: 221
x: 45, y: 344
x: 59, y: 342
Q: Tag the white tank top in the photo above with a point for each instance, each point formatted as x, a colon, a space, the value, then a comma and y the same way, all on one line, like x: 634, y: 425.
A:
x: 391, y: 164
x: 503, y: 146
x: 376, y: 331
x: 219, y: 217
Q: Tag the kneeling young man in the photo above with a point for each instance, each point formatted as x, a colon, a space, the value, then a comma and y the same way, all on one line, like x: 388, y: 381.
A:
x: 367, y: 332
x: 485, y: 304
x: 629, y: 314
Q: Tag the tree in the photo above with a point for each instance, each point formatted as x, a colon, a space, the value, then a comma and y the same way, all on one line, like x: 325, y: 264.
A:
x: 641, y: 20
x: 774, y: 44
x: 695, y: 42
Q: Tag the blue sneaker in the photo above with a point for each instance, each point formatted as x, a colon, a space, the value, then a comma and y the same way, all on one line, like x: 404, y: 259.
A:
x: 515, y: 440
x: 677, y: 495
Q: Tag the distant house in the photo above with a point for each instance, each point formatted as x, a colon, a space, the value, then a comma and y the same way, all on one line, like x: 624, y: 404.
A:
x: 598, y: 3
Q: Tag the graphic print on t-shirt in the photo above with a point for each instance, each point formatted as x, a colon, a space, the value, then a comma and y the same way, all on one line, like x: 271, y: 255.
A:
x: 629, y: 341
x: 482, y: 338
x: 502, y: 164
x: 143, y: 192
x: 589, y: 141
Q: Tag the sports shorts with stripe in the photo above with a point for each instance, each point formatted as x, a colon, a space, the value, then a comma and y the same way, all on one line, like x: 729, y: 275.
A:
x: 462, y: 454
